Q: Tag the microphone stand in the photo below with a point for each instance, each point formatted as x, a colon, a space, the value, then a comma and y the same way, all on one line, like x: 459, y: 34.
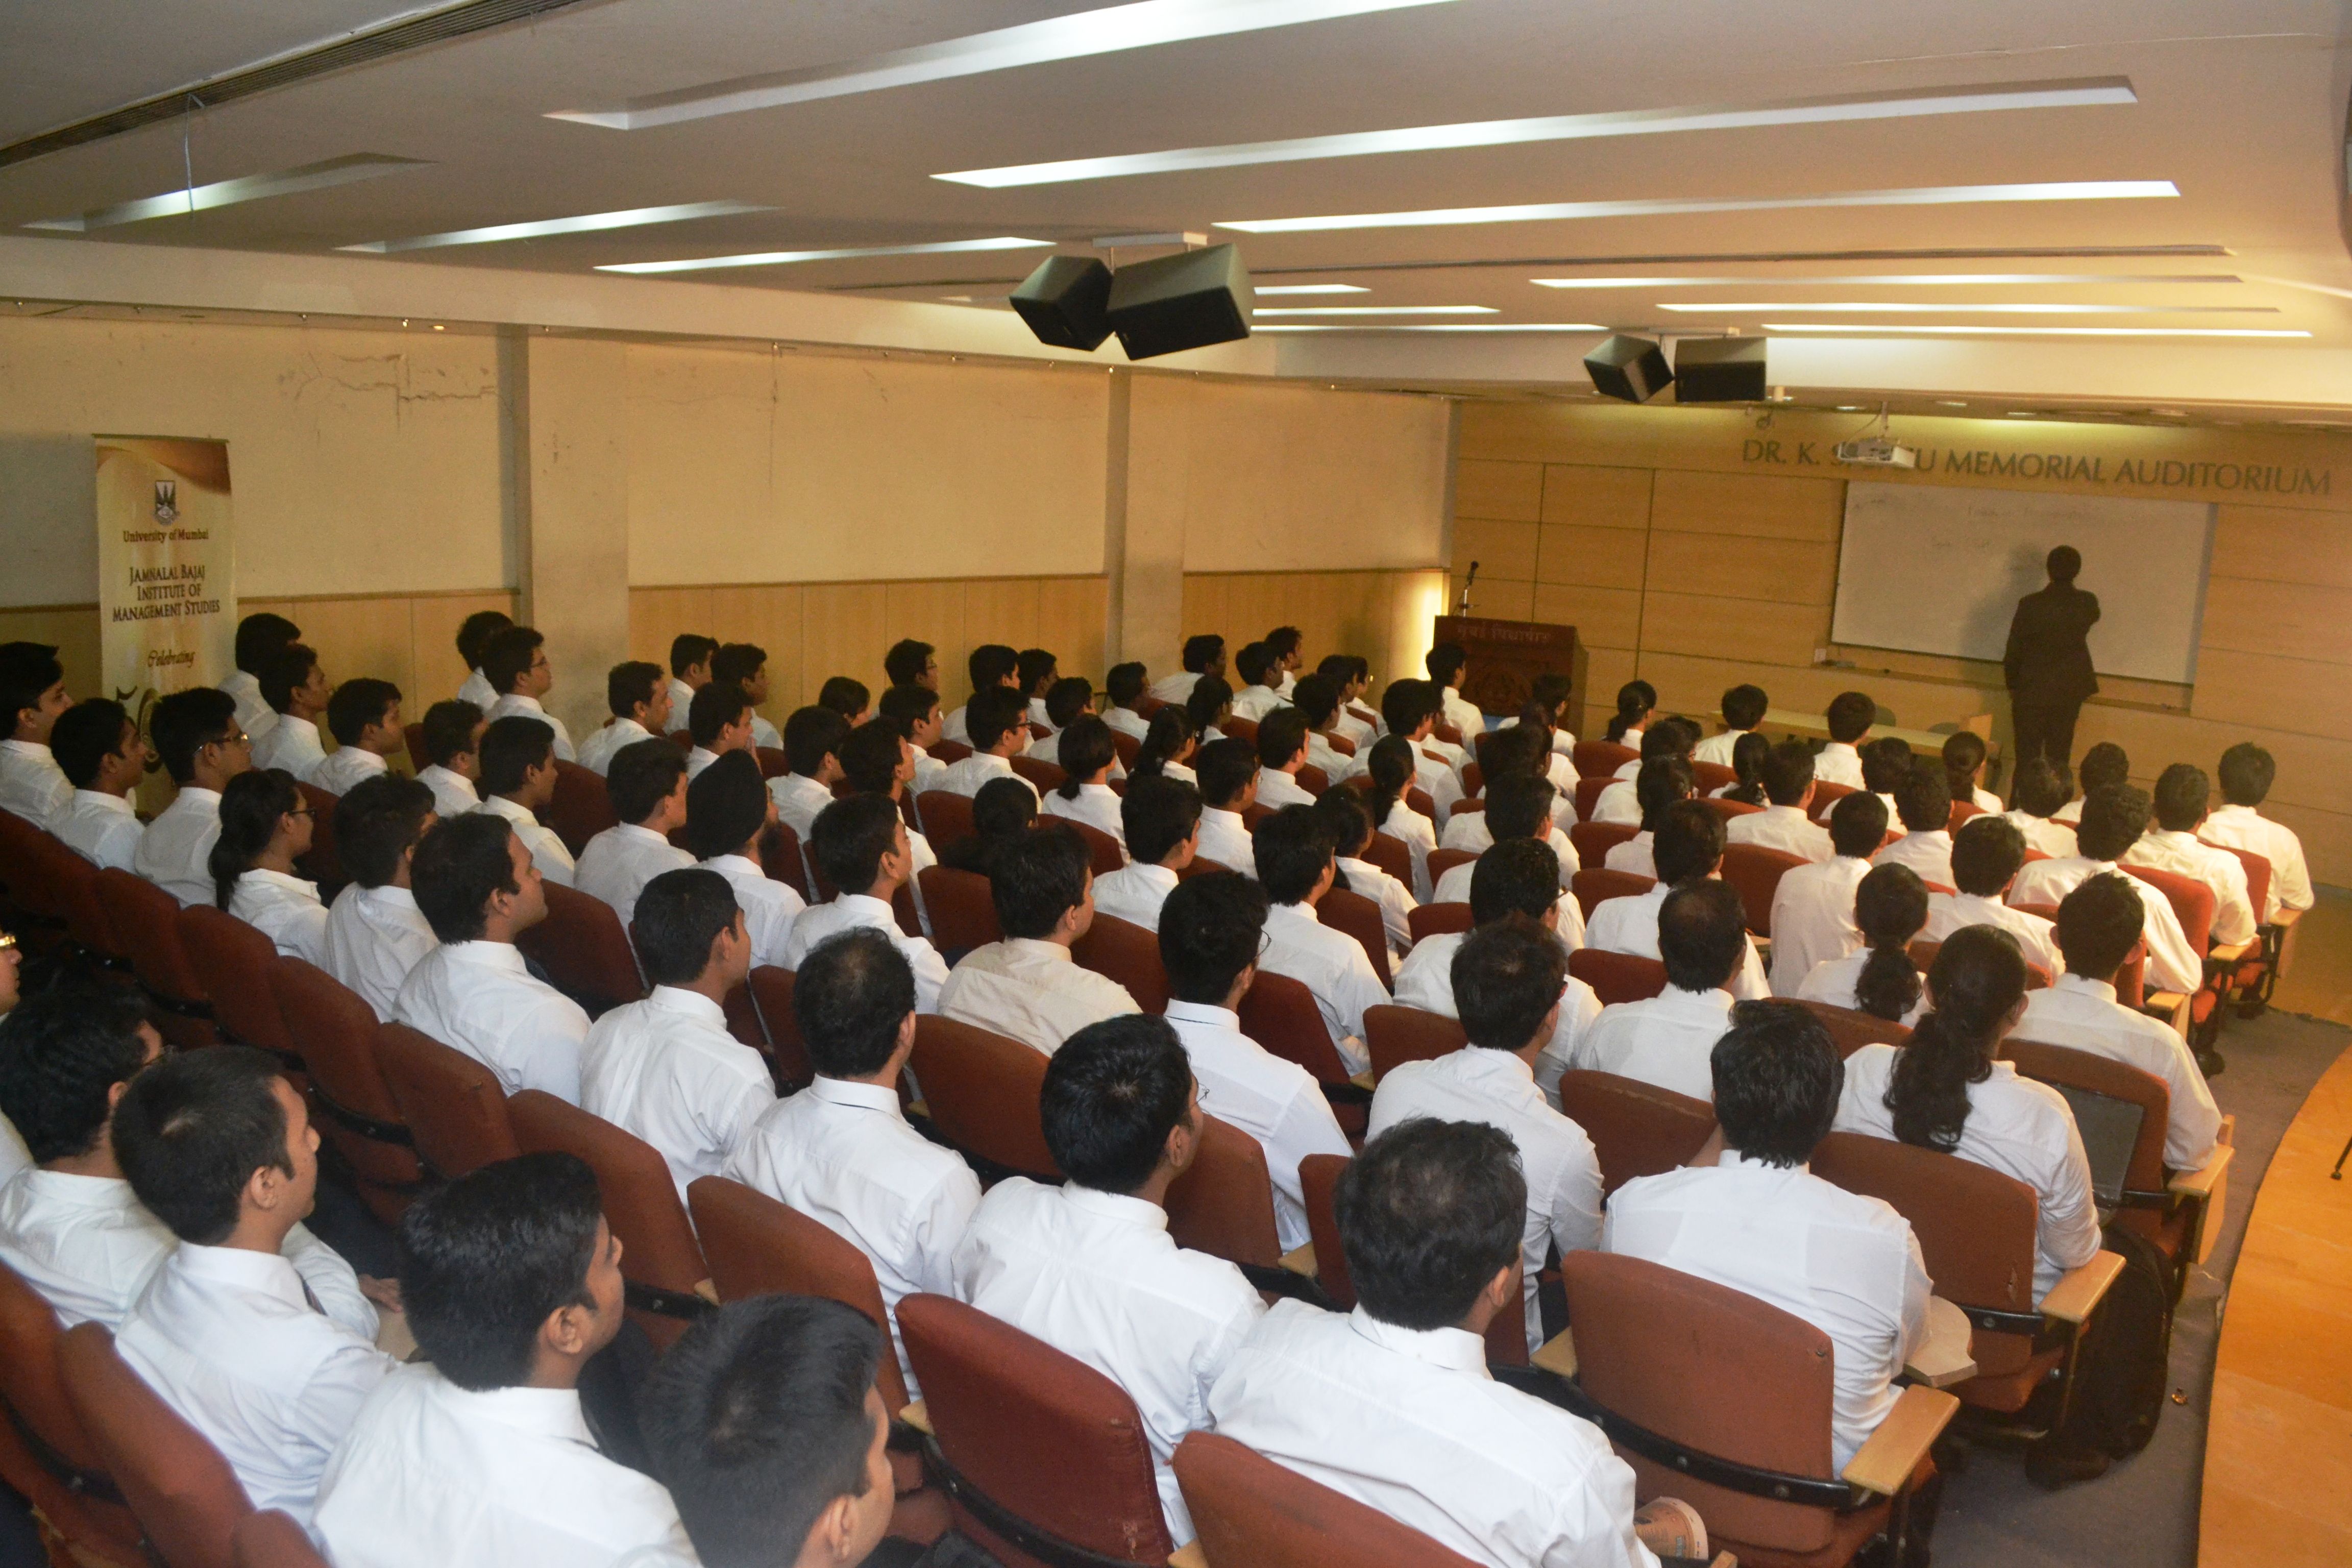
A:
x: 1464, y: 608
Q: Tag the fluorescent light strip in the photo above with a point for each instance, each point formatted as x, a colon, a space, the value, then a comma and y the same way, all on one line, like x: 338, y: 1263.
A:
x: 1950, y: 306
x: 1107, y: 31
x: 1263, y: 290
x: 588, y: 223
x: 1541, y: 212
x: 1379, y: 311
x: 1899, y: 104
x: 342, y: 171
x: 1882, y: 328
x: 1887, y: 279
x: 1438, y: 327
x: 847, y: 253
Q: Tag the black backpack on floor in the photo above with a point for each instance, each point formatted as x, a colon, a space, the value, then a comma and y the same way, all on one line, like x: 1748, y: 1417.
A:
x: 2119, y: 1386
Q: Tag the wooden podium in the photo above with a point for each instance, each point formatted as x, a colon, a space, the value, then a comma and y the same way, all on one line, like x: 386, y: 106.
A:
x: 1506, y: 657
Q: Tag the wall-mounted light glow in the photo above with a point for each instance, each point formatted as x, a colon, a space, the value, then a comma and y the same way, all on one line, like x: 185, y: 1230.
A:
x: 587, y: 222
x: 1379, y: 311
x: 1884, y: 280
x: 1262, y: 290
x: 1435, y: 327
x: 1864, y: 308
x: 844, y: 253
x: 1882, y: 328
x: 229, y: 193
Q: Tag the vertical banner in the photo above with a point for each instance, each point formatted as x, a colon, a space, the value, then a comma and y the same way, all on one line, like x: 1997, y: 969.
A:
x: 166, y: 567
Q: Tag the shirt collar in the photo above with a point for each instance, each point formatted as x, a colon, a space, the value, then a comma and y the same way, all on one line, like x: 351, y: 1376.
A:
x: 741, y: 864
x: 512, y: 810
x: 1204, y: 1012
x: 1037, y: 947
x: 1733, y: 1160
x: 866, y: 910
x: 243, y: 1270
x: 279, y: 880
x: 84, y: 1192
x: 390, y: 896
x: 2083, y: 985
x: 29, y: 749
x: 693, y: 1003
x: 1295, y: 912
x: 196, y: 795
x: 1842, y: 748
x: 855, y: 1096
x: 1453, y: 1350
x: 528, y: 704
x: 541, y: 1412
x: 304, y: 726
x: 1716, y: 1000
x: 1479, y: 1061
x: 622, y: 726
x: 100, y: 798
x: 1219, y: 813
x: 1115, y: 1206
x: 487, y: 954
x: 631, y: 830
x: 1159, y: 877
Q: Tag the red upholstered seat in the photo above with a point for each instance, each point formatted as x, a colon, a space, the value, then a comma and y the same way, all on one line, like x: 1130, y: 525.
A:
x: 1827, y: 795
x: 179, y: 1488
x: 1254, y: 1513
x: 1961, y: 810
x: 1755, y: 872
x: 2149, y: 1207
x: 1708, y: 777
x: 1395, y: 1035
x: 947, y: 817
x: 1637, y: 1129
x: 1851, y: 1030
x: 453, y: 1105
x: 981, y: 1090
x: 1618, y: 977
x: 1104, y: 855
x: 773, y: 763
x: 584, y: 952
x: 963, y: 911
x: 581, y: 808
x: 784, y: 858
x: 64, y: 886
x: 1391, y: 855
x: 770, y: 991
x: 1360, y: 917
x: 1727, y: 809
x: 1046, y: 776
x: 1128, y: 953
x: 147, y: 918
x: 63, y: 1483
x: 1440, y: 861
x: 1222, y: 1204
x: 1425, y: 920
x: 232, y: 961
x: 1600, y: 758
x: 1280, y: 1014
x: 1241, y: 728
x: 322, y: 864
x: 335, y: 1032
x: 1596, y: 885
x: 1593, y: 841
x: 1587, y: 794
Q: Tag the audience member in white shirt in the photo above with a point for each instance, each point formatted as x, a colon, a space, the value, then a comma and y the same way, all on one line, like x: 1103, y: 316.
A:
x: 745, y: 664
x: 376, y: 933
x: 1747, y: 785
x: 1281, y: 753
x: 1351, y: 677
x: 1202, y: 654
x: 518, y: 784
x: 1027, y: 987
x: 2113, y: 821
x: 480, y: 1455
x: 1350, y: 827
x: 648, y: 787
x: 1035, y: 670
x: 1848, y: 718
x: 1155, y: 814
x: 2105, y: 767
x: 1411, y: 708
x: 1509, y: 980
x: 1517, y: 808
x: 1069, y: 699
x: 1388, y: 764
x: 1668, y: 740
x: 1661, y: 782
x: 877, y: 758
x: 2245, y: 774
x: 1296, y: 863
x: 99, y: 749
x: 1211, y: 708
x: 997, y: 721
x: 1925, y: 804
x: 1987, y: 853
x: 1283, y: 643
x: 1964, y: 765
x: 1318, y: 701
x: 1089, y: 1267
x: 1391, y: 1405
x: 295, y: 688
x: 728, y: 814
x: 364, y: 715
x: 861, y: 845
x: 813, y: 738
x: 1890, y: 906
x: 453, y: 756
x: 478, y: 888
x: 2180, y: 796
x: 1085, y: 795
x: 33, y: 691
x: 665, y: 1069
x: 638, y: 695
x: 840, y: 1150
x: 1688, y: 849
x: 917, y: 711
x: 2098, y: 925
x: 1743, y: 709
x: 2039, y: 794
x: 220, y: 1148
x: 265, y: 827
x: 257, y: 637
x: 692, y: 658
x: 1812, y: 906
x: 1667, y: 1039
x: 1786, y: 823
x: 1228, y: 773
x: 1259, y: 695
x: 473, y: 635
x: 1516, y: 749
x: 514, y: 661
x: 196, y: 736
x: 990, y: 667
x: 1126, y: 684
x: 1758, y: 1221
x: 721, y: 719
x: 1447, y: 665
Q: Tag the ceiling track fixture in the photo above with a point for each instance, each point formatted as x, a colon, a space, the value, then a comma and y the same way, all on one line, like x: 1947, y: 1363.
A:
x: 1697, y: 258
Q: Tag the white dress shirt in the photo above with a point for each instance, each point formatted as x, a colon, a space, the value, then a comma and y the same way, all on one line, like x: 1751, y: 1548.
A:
x: 1359, y: 730
x: 1419, y: 836
x: 1618, y: 803
x: 2084, y: 1015
x: 292, y: 744
x: 454, y: 794
x: 1321, y: 753
x: 1396, y: 900
x: 1226, y: 840
x: 769, y: 907
x: 842, y: 1153
x: 2172, y: 963
x: 1834, y: 980
x: 954, y: 727
x: 514, y: 702
x: 616, y: 864
x: 596, y: 751
x: 477, y: 998
x: 1464, y: 715
x: 1410, y: 1422
x: 1783, y: 827
x: 1134, y: 893
x: 1176, y: 687
x: 1097, y: 1276
x: 1454, y: 888
x: 1274, y: 1101
x: 1470, y: 830
x: 1813, y: 918
x: 254, y: 716
x: 1718, y: 749
x: 1929, y: 855
x: 476, y: 689
x: 1126, y: 721
x: 103, y: 829
x: 850, y: 910
x: 2036, y: 937
x: 800, y: 800
x: 1476, y: 1084
x: 1426, y: 980
x: 1667, y: 1039
x: 765, y: 733
x: 1255, y: 702
x: 284, y: 909
x: 929, y: 770
x: 375, y: 936
x: 2016, y: 1126
x: 2184, y: 855
x: 548, y: 851
x: 1846, y: 1264
x: 1637, y: 855
x: 225, y: 1337
x: 1838, y: 762
x: 966, y: 776
x: 1029, y: 990
x: 667, y: 1070
x: 2244, y: 827
x: 1630, y: 924
x: 1277, y: 789
x: 507, y: 1477
x: 697, y: 758
x: 1097, y: 806
x: 1332, y: 965
x: 2071, y: 813
x: 175, y: 852
x: 681, y: 700
x: 2053, y: 838
x: 345, y: 767
x: 32, y: 786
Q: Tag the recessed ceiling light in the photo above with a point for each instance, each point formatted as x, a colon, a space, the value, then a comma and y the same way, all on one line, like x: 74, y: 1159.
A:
x: 2021, y: 414
x: 1438, y: 327
x: 1949, y: 403
x: 1949, y: 306
x: 1105, y: 31
x: 1884, y: 327
x: 1541, y: 212
x: 844, y: 253
x: 588, y: 223
x: 229, y: 193
x: 1849, y: 408
x: 1898, y: 104
x: 1886, y: 279
x: 1263, y: 289
x: 1379, y: 311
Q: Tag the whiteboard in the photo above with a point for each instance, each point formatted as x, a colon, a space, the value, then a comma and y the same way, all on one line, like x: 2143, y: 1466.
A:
x: 1935, y: 569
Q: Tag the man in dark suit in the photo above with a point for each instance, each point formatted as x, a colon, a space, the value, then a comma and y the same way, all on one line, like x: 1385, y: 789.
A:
x: 2048, y: 662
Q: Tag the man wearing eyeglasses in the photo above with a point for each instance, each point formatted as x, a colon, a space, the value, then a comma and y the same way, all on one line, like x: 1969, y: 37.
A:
x: 196, y: 735
x: 33, y: 693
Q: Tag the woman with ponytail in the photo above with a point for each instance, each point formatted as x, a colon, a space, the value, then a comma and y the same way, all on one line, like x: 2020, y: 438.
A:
x: 1085, y: 795
x: 1944, y: 1091
x: 1747, y: 755
x: 1210, y: 704
x: 1878, y: 978
x: 1168, y: 747
x: 1635, y: 698
x: 1388, y: 774
x: 265, y: 826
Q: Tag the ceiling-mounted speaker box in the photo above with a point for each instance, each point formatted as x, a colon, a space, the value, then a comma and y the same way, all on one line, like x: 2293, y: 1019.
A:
x: 1720, y: 370
x: 1064, y: 302
x: 1633, y: 369
x: 1176, y: 302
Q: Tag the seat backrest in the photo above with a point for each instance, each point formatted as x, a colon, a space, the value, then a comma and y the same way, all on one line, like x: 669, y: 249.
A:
x: 641, y: 1203
x: 1279, y: 1014
x: 1825, y: 795
x: 1711, y: 776
x: 1755, y: 872
x: 453, y: 1104
x: 1040, y: 1434
x: 272, y: 1540
x: 583, y: 949
x: 1395, y: 1035
x: 1728, y: 808
x: 1851, y: 1030
x: 335, y: 1032
x: 982, y: 1089
x: 947, y: 816
x: 758, y: 1246
x: 950, y: 751
x: 1618, y: 977
x: 781, y: 857
x: 1418, y: 800
x: 1593, y: 841
x: 2121, y: 1111
x: 1126, y: 952
x: 1318, y: 1182
x: 1391, y: 855
x: 1596, y: 884
x: 1254, y: 1513
x: 963, y: 911
x: 1588, y: 793
x: 1360, y: 917
x: 1470, y: 807
x: 1222, y: 1204
x: 30, y: 1381
x: 1961, y: 810
x: 1660, y: 1348
x: 2258, y: 876
x: 1440, y: 861
x: 1600, y: 758
x: 581, y: 808
x: 232, y: 961
x: 183, y: 1492
x: 1240, y: 727
x: 1104, y: 855
x: 72, y: 895
x: 773, y: 762
x: 1129, y: 747
x: 1425, y: 920
x: 1202, y: 866
x: 1046, y: 776
x: 147, y: 918
x: 771, y: 991
x: 322, y: 864
x: 1637, y: 1129
x: 2192, y: 900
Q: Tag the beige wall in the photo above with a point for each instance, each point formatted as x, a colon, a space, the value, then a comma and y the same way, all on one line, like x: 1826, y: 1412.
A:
x: 1383, y: 616
x: 1684, y: 556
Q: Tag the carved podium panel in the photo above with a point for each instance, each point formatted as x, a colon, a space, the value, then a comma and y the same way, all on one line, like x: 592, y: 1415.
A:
x: 1504, y: 657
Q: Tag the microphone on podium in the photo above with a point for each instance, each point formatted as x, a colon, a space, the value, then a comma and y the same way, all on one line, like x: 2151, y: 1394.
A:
x: 1466, y: 582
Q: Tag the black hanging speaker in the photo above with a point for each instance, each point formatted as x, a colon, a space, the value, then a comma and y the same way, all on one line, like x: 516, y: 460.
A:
x: 1633, y: 369
x: 1720, y: 370
x: 1063, y: 301
x: 1176, y: 302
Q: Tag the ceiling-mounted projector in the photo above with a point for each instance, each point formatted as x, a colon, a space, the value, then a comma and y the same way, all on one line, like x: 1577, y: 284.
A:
x: 1876, y: 452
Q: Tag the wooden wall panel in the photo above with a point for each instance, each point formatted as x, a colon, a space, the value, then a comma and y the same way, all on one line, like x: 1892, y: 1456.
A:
x: 1603, y: 618
x: 2282, y: 544
x: 1588, y: 557
x: 1504, y: 550
x: 1504, y: 601
x: 1596, y: 497
x: 1383, y: 616
x: 1776, y: 508
x: 1512, y: 490
x: 1733, y: 566
x: 407, y: 639
x: 71, y: 629
x: 2283, y: 619
x: 2298, y: 694
x: 1732, y: 628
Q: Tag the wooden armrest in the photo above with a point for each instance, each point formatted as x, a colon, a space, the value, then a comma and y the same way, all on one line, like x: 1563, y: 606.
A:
x: 1363, y: 1079
x: 1301, y: 1259
x: 2287, y: 918
x: 1557, y: 1354
x: 2077, y: 1295
x: 2231, y: 953
x: 918, y: 1415
x: 2229, y: 1133
x: 1885, y: 1462
x: 2171, y: 1006
x: 706, y: 1290
x: 921, y: 1108
x: 1943, y: 1358
x: 1189, y: 1555
x: 2201, y: 1182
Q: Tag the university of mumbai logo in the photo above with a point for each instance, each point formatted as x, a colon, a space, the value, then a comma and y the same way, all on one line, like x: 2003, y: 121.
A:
x: 167, y: 500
